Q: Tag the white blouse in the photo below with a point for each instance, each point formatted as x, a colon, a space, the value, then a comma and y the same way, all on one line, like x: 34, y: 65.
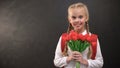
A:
x: 60, y: 60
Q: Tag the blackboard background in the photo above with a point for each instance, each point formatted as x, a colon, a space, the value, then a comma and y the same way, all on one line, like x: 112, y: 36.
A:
x: 30, y: 29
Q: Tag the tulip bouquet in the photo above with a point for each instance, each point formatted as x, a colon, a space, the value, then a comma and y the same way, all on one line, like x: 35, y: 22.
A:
x: 79, y: 42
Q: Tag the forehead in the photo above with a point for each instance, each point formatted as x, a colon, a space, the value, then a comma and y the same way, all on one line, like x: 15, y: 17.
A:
x: 77, y: 11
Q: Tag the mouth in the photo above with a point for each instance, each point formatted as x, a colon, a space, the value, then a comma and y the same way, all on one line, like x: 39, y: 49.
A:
x: 78, y: 25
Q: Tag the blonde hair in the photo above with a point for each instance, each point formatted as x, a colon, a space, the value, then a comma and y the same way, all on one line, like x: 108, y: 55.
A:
x: 79, y: 5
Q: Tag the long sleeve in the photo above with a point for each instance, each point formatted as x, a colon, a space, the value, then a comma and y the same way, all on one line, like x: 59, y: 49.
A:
x: 59, y: 60
x: 98, y: 61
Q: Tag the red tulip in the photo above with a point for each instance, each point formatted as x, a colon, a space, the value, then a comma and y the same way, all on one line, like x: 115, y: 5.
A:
x: 73, y: 35
x: 81, y: 37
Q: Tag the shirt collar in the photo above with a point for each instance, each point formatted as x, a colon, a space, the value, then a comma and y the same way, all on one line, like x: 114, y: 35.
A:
x: 84, y: 32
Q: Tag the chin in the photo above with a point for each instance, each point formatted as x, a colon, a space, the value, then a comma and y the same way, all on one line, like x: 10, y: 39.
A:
x: 78, y: 28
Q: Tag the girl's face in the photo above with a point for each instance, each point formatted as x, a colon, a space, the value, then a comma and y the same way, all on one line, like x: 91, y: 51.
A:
x: 77, y: 18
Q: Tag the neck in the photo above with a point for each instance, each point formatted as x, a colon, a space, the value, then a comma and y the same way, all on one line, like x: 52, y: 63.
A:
x: 79, y: 30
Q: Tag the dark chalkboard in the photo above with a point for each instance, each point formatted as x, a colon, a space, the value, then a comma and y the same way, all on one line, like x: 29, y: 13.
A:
x: 30, y: 29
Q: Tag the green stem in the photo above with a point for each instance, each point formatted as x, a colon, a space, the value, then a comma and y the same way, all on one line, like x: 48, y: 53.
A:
x: 77, y: 65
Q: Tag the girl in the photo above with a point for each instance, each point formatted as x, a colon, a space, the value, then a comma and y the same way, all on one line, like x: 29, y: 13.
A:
x: 78, y: 17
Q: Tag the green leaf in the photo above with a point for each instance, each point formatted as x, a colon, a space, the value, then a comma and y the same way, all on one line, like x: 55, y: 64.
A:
x: 82, y: 45
x: 86, y: 44
x: 70, y: 45
x: 78, y: 45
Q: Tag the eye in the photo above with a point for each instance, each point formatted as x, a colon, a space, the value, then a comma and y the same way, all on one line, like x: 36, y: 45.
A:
x: 73, y: 17
x: 80, y: 16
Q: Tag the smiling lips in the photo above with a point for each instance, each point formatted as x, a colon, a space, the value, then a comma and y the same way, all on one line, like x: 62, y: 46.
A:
x: 78, y: 24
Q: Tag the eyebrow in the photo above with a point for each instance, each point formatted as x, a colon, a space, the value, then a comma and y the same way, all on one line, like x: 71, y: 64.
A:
x: 76, y: 16
x: 73, y: 17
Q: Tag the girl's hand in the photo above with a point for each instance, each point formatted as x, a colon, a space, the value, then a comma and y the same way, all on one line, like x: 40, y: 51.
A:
x: 70, y: 58
x: 77, y: 56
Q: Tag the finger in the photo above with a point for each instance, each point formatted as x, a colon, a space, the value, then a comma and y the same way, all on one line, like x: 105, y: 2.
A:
x: 76, y: 52
x: 77, y: 55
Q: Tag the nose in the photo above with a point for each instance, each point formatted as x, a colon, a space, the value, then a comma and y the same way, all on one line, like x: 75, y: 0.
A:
x: 77, y: 20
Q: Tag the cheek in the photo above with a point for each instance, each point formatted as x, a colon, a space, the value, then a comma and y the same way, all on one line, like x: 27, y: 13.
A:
x: 74, y: 24
x: 83, y: 21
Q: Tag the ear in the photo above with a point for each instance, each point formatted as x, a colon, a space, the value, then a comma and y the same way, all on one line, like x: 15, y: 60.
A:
x: 69, y: 20
x: 86, y: 19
